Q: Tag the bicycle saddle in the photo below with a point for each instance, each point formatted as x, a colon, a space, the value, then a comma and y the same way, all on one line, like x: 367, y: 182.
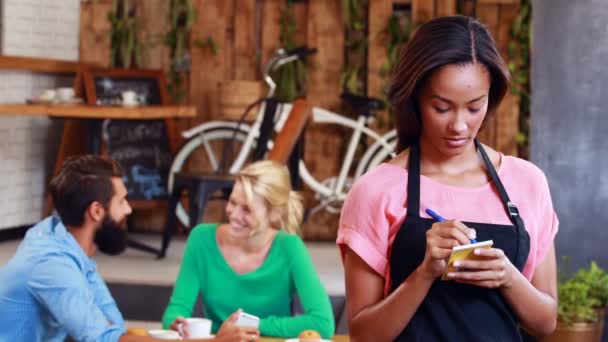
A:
x: 363, y: 104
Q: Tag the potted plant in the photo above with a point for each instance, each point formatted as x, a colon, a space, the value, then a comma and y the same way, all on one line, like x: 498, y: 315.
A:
x: 579, y: 300
x: 597, y: 280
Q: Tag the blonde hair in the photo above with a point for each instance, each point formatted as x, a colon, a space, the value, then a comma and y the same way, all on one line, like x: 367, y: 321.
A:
x: 271, y: 181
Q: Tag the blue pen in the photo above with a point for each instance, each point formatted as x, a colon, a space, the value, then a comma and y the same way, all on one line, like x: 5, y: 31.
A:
x: 441, y: 219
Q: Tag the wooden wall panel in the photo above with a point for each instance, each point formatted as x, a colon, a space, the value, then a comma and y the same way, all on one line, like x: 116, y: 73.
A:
x: 154, y: 19
x: 507, y: 120
x: 445, y: 7
x: 300, y: 10
x: 208, y: 68
x: 499, y: 2
x: 94, y: 45
x: 271, y: 13
x: 379, y: 13
x: 422, y: 11
x: 326, y: 33
x: 245, y: 32
x: 489, y: 16
x: 228, y: 42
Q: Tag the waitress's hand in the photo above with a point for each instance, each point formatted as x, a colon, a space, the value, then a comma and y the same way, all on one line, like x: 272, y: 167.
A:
x: 439, y: 242
x: 493, y: 269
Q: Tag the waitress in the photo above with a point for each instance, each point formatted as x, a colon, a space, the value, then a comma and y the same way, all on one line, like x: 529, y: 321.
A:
x: 448, y: 82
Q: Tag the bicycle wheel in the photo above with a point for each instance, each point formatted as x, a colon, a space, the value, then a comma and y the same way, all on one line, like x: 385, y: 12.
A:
x: 204, y: 153
x: 377, y: 154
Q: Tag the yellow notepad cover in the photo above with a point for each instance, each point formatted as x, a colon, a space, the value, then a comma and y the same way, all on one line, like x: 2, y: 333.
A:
x: 464, y: 252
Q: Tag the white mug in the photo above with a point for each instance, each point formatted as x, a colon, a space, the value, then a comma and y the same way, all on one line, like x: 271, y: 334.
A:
x: 162, y: 334
x: 129, y: 98
x: 197, y: 327
x: 48, y: 95
x: 65, y: 94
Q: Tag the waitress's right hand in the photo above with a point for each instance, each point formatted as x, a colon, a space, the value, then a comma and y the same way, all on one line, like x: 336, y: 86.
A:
x: 439, y: 242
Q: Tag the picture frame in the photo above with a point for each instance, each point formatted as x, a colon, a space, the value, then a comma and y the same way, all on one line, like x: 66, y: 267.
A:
x: 106, y: 86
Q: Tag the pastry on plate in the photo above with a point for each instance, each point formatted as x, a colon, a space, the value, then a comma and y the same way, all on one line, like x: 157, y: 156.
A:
x: 309, y: 336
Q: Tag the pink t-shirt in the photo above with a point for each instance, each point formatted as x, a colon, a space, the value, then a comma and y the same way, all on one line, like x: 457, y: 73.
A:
x: 376, y: 207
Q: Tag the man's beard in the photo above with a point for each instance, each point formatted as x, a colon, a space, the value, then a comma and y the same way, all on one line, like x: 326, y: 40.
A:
x: 111, y: 237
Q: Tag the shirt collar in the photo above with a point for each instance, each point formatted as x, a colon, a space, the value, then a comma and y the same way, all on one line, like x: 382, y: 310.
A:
x: 60, y: 232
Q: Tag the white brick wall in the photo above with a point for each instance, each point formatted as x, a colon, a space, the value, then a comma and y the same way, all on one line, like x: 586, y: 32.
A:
x: 33, y: 28
x: 41, y: 28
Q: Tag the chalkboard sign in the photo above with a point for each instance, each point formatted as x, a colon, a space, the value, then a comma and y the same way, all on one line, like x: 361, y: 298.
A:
x: 142, y: 150
x: 140, y: 146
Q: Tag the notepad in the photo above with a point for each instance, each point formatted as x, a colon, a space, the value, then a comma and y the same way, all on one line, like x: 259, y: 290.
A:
x: 464, y: 252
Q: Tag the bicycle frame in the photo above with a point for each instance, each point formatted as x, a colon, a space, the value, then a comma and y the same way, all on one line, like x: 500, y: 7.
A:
x: 331, y: 190
x: 319, y: 116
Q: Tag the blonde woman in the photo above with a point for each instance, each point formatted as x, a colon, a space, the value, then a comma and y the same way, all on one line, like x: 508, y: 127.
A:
x: 255, y: 262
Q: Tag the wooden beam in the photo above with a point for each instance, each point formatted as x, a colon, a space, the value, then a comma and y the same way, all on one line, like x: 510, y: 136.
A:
x: 245, y: 36
x: 379, y: 13
x: 326, y: 33
x: 208, y: 67
x: 271, y: 13
x: 489, y: 16
x: 43, y: 65
x: 498, y: 2
x: 507, y: 118
x: 422, y: 11
x: 94, y: 44
x: 99, y: 112
x: 289, y: 134
x: 445, y: 7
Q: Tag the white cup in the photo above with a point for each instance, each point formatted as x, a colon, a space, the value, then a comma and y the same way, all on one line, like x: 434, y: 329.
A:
x: 65, y: 94
x: 197, y: 327
x: 162, y: 334
x: 129, y: 98
x: 48, y: 95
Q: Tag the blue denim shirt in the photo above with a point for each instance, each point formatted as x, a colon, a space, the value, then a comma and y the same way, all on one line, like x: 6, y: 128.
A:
x: 50, y: 289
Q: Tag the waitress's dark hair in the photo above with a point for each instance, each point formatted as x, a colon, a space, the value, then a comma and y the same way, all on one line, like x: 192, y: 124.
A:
x: 446, y: 40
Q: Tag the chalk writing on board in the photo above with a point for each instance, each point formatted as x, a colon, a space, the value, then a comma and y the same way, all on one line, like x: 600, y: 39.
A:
x: 141, y: 148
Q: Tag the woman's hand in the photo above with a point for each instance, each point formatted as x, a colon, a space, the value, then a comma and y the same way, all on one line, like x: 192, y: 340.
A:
x: 491, y: 269
x: 439, y: 242
x: 175, y: 326
x: 230, y: 332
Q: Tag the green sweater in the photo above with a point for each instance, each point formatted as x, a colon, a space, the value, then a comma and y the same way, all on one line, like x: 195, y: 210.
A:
x: 266, y: 292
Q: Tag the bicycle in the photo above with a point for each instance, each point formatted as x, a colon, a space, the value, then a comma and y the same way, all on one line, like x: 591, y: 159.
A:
x: 211, y: 137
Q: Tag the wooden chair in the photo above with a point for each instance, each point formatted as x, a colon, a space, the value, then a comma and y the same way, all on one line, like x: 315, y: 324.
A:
x: 201, y: 186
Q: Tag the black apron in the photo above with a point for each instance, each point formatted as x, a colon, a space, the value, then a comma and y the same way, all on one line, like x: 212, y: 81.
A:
x: 452, y: 311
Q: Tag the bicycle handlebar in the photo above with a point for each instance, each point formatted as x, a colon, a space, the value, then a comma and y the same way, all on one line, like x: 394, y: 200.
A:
x: 301, y: 51
x: 282, y: 57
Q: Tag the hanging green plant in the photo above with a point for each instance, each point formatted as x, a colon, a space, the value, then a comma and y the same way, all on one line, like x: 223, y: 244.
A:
x: 128, y: 46
x: 519, y: 67
x: 353, y: 78
x: 291, y: 77
x: 397, y: 32
x: 182, y: 15
x: 124, y: 28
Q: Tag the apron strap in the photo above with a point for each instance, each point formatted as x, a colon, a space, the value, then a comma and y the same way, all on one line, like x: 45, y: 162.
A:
x: 413, y: 182
x: 523, y: 240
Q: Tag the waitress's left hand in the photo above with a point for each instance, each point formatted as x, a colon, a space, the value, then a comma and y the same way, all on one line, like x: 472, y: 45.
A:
x: 491, y: 269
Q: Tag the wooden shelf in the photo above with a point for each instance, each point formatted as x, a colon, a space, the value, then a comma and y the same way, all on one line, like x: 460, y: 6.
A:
x: 99, y: 112
x: 41, y: 65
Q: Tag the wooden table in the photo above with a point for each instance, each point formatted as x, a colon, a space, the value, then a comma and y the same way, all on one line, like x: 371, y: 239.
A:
x: 336, y: 338
x: 98, y: 112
